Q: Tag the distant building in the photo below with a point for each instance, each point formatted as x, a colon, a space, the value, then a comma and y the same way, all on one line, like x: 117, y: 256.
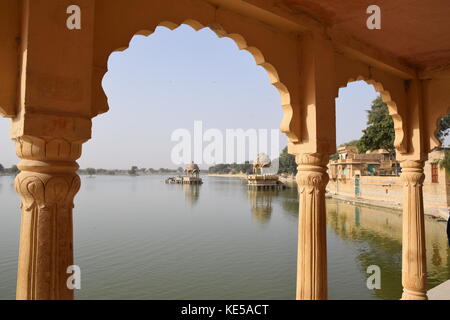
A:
x: 351, y: 163
x: 373, y: 177
x: 192, y: 170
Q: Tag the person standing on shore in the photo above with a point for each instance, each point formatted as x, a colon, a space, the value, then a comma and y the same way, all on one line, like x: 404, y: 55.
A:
x: 448, y: 228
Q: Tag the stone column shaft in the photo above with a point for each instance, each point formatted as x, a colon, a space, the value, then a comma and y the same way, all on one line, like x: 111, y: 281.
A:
x: 312, y: 179
x: 414, y: 264
x: 47, y: 186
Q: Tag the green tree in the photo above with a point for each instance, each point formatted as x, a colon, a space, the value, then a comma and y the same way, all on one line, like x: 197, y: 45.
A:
x: 2, y: 169
x: 379, y: 133
x: 445, y: 163
x: 334, y: 156
x: 91, y: 171
x: 133, y: 171
x: 352, y: 143
x: 14, y: 170
x: 444, y: 126
x: 287, y: 163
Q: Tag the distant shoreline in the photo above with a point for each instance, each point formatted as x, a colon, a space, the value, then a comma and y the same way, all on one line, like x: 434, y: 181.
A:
x: 124, y: 174
x: 228, y: 175
x: 128, y: 175
x: 286, y: 179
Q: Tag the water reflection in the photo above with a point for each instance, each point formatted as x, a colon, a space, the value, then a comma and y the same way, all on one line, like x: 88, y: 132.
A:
x: 376, y: 235
x: 191, y: 193
x: 290, y: 202
x: 261, y: 204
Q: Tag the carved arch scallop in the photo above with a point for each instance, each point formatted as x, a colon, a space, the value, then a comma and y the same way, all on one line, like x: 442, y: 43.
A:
x: 287, y: 125
x: 400, y: 142
x: 435, y: 142
x: 437, y: 105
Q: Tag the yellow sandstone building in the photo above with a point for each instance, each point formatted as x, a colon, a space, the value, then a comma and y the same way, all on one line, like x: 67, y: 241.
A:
x: 374, y: 178
x: 54, y: 55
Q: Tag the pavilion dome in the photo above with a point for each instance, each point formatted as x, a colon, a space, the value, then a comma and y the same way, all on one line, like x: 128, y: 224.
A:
x: 192, y: 167
x: 262, y: 161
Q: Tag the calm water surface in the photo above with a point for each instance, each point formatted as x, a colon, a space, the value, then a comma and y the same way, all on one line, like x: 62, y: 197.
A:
x: 138, y: 238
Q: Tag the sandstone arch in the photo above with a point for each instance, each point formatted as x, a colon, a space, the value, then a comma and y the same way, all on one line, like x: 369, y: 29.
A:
x: 399, y: 142
x: 436, y: 97
x: 434, y: 137
x: 241, y: 43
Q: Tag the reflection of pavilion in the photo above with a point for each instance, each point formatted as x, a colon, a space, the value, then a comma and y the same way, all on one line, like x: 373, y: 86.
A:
x: 191, y: 193
x: 261, y: 204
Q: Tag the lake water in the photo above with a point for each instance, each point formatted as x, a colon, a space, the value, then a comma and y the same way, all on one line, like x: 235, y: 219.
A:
x: 139, y: 238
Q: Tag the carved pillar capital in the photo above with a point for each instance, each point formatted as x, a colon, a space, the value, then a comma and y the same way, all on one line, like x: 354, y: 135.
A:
x: 312, y: 179
x: 47, y: 185
x: 412, y: 172
x: 311, y: 159
x: 312, y: 172
x: 414, y: 266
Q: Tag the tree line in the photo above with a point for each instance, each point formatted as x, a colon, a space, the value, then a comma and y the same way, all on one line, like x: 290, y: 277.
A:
x: 9, y: 171
x: 286, y: 163
x: 233, y: 168
x: 133, y: 171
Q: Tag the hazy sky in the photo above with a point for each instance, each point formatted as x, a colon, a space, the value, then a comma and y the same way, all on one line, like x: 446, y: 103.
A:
x: 172, y: 78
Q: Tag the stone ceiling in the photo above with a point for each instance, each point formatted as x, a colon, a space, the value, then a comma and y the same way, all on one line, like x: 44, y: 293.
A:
x: 417, y: 31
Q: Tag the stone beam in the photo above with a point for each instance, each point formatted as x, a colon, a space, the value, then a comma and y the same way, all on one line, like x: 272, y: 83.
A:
x: 316, y: 115
x: 441, y: 72
x: 358, y: 50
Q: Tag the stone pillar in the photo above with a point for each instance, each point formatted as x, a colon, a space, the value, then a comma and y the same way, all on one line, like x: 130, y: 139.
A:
x: 312, y: 179
x: 46, y: 185
x: 414, y: 263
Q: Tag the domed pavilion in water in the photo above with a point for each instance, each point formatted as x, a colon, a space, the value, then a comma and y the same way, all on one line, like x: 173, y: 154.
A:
x: 191, y: 176
x: 260, y: 180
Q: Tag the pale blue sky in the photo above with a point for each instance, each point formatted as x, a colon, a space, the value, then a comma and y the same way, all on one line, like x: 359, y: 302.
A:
x: 172, y: 78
